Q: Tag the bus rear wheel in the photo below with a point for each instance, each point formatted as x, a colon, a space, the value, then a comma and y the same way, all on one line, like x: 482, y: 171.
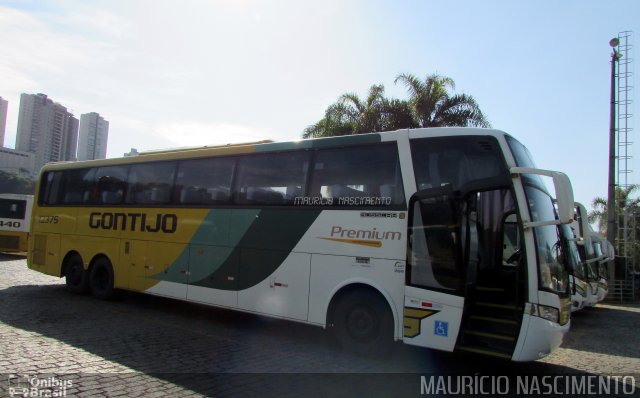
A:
x: 362, y: 323
x: 76, y: 277
x: 101, y: 279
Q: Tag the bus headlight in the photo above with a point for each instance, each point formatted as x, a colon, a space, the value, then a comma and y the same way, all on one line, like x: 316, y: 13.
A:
x: 545, y: 312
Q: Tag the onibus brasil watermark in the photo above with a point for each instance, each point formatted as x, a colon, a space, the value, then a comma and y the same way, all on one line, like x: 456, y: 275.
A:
x: 27, y: 385
x: 556, y: 385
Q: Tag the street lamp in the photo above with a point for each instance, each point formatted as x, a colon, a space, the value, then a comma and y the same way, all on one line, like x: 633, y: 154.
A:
x: 611, y: 204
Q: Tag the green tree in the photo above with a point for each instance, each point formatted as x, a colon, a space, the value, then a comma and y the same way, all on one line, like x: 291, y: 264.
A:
x: 434, y: 106
x: 429, y: 105
x: 353, y: 115
x: 625, y: 202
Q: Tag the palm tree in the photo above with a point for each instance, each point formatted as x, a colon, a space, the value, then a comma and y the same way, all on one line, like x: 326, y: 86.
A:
x: 429, y: 105
x: 624, y: 202
x: 433, y: 106
x: 335, y: 122
x: 365, y: 115
x: 352, y: 115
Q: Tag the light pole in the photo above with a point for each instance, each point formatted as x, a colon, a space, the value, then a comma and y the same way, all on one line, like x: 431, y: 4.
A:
x: 611, y: 197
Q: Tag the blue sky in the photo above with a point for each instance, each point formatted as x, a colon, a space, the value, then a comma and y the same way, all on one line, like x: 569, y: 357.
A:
x: 182, y: 73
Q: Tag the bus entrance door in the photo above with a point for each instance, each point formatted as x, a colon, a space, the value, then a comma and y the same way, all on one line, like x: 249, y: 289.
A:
x: 434, y: 292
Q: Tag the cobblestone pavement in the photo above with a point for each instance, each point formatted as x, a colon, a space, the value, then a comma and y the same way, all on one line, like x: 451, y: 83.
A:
x: 139, y: 345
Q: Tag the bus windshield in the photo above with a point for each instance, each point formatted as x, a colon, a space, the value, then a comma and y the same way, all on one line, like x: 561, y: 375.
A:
x: 552, y: 274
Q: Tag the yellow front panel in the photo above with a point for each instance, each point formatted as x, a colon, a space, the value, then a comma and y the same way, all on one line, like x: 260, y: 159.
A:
x: 13, y: 241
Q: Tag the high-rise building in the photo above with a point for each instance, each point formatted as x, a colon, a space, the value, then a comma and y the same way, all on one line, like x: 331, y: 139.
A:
x: 4, y: 104
x: 46, y: 129
x: 92, y: 139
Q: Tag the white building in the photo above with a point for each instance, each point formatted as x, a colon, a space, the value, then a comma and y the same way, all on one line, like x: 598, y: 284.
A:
x: 93, y: 136
x: 46, y: 129
x: 18, y: 162
x: 4, y: 105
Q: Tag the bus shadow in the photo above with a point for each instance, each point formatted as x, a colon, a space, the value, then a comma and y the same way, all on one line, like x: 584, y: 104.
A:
x: 219, y: 352
x: 604, y: 330
x: 12, y: 256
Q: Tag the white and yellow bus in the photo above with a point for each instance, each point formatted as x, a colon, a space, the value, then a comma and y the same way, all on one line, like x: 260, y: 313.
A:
x: 15, y: 215
x: 443, y: 238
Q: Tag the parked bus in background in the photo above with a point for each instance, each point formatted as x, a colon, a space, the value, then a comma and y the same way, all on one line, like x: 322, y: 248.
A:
x: 590, y: 249
x: 443, y: 238
x: 604, y: 254
x: 15, y: 215
x: 583, y: 280
x: 578, y: 285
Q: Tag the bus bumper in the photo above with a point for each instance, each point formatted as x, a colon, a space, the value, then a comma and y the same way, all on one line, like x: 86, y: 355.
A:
x: 577, y: 302
x: 538, y: 338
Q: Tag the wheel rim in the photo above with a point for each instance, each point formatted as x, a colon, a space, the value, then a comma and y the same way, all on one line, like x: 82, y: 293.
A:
x: 363, y: 324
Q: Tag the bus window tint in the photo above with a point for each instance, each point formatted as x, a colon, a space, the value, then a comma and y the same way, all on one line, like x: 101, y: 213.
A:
x: 150, y: 183
x: 204, y: 181
x: 111, y: 184
x: 272, y: 179
x: 363, y: 176
x: 455, y: 160
x: 77, y: 185
x: 433, y: 259
x: 12, y: 209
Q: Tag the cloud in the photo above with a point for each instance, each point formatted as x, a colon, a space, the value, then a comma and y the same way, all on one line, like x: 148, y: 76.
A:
x: 190, y: 133
x: 131, y: 132
x: 38, y: 56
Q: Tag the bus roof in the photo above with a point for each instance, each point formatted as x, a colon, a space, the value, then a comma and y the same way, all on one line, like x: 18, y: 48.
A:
x: 271, y: 146
x: 195, y: 148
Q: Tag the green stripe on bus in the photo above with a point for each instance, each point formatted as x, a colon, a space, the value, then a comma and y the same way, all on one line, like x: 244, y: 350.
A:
x: 211, y: 245
x: 263, y: 248
x: 236, y: 249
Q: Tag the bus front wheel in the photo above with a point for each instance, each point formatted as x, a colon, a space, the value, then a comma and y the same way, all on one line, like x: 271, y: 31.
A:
x: 76, y: 277
x: 362, y: 323
x: 101, y: 279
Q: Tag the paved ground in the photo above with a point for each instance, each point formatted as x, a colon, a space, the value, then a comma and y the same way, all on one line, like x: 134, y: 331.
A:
x: 53, y: 342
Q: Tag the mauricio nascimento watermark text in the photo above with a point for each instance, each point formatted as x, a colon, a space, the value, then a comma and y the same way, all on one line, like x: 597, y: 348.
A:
x: 556, y: 385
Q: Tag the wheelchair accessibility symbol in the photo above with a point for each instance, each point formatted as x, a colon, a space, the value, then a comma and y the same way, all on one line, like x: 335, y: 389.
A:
x: 441, y: 328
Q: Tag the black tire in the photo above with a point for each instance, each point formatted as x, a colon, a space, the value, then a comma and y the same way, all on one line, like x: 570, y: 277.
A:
x: 76, y: 277
x: 362, y: 323
x: 101, y: 279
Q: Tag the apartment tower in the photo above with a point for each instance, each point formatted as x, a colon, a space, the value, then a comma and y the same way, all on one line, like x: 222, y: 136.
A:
x: 92, y: 139
x: 46, y: 129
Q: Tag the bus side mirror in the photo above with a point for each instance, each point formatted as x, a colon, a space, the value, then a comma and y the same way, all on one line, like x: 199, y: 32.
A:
x: 564, y: 197
x: 582, y: 221
x: 564, y: 194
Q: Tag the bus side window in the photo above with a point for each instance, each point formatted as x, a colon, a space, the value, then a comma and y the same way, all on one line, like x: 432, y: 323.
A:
x: 204, y: 181
x: 111, y: 184
x: 358, y: 176
x: 510, y: 241
x: 77, y: 185
x: 456, y: 161
x: 434, y: 247
x: 51, y: 188
x: 150, y: 183
x: 272, y: 179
